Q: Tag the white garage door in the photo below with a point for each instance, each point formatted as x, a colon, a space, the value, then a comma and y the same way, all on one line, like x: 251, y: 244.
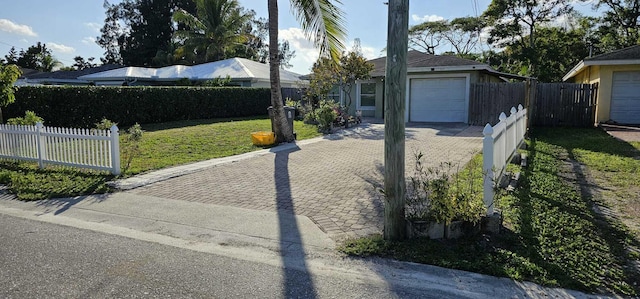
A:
x: 438, y: 100
x: 625, y: 97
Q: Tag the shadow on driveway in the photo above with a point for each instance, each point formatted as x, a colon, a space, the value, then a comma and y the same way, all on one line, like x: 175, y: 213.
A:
x: 297, y: 279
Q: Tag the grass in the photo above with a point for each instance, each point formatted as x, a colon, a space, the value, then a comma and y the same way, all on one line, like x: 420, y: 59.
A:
x: 30, y: 183
x: 552, y: 235
x: 175, y: 143
x: 163, y: 145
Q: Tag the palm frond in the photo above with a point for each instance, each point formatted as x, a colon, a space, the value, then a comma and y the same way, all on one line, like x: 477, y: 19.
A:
x: 324, y: 22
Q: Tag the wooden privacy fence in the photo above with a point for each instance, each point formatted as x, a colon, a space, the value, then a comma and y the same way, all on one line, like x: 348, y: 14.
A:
x: 500, y: 143
x: 92, y: 149
x: 550, y: 104
x: 565, y: 104
x: 490, y: 99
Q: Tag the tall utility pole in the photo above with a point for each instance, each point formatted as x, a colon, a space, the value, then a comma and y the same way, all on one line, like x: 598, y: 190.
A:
x: 395, y: 96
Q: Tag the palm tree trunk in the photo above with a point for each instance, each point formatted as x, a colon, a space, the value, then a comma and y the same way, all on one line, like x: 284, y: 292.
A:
x: 281, y: 127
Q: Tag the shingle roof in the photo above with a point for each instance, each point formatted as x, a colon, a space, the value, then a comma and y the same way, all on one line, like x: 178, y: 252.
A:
x: 236, y: 68
x: 417, y: 59
x: 628, y: 53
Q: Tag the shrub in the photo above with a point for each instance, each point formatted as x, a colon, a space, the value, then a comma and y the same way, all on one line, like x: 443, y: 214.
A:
x: 444, y: 193
x: 131, y: 146
x: 30, y: 119
x: 72, y: 106
x: 325, y: 115
x: 105, y: 124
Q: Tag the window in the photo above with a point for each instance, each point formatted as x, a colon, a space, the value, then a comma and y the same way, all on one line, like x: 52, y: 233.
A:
x: 334, y: 94
x: 367, y: 96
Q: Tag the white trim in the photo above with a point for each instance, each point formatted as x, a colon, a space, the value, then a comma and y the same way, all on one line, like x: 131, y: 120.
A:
x: 358, y: 88
x: 583, y: 64
x: 467, y: 77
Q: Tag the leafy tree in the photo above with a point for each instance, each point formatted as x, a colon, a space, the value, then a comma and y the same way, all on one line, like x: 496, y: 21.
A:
x: 322, y: 78
x: 12, y: 57
x: 81, y: 63
x: 353, y: 67
x: 463, y: 34
x: 134, y: 30
x: 214, y: 32
x: 619, y: 24
x: 322, y: 20
x: 258, y: 44
x: 37, y: 57
x: 9, y: 74
x: 427, y: 36
x: 515, y: 23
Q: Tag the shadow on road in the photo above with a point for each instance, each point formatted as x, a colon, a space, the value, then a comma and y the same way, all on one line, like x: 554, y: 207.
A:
x: 61, y: 205
x: 297, y: 279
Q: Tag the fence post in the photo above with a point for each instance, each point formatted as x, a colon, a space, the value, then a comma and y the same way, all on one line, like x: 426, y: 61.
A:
x: 115, y: 150
x: 487, y: 168
x: 40, y: 143
x: 516, y: 132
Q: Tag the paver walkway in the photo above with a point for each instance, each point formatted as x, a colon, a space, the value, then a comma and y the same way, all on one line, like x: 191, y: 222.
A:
x: 626, y: 133
x: 336, y: 183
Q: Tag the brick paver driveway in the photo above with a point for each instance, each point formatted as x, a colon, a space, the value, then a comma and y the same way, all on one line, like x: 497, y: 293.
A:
x: 336, y: 182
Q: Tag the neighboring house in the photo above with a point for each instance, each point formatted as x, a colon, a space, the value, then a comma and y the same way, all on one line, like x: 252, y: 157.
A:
x: 618, y: 76
x: 243, y: 72
x: 438, y: 87
x: 62, y: 77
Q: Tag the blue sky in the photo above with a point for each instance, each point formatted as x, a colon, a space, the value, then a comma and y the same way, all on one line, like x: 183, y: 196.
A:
x: 69, y: 27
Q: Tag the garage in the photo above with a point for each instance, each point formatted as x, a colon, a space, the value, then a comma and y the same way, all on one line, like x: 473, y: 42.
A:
x: 625, y: 98
x: 438, y: 99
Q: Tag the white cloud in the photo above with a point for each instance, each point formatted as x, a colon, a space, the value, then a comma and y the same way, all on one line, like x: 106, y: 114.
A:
x: 11, y: 27
x: 25, y: 41
x: 93, y: 26
x: 89, y: 40
x: 367, y: 52
x: 426, y: 18
x: 60, y: 48
x: 306, y: 52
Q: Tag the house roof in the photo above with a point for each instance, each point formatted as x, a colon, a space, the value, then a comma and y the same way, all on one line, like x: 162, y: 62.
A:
x: 629, y: 55
x: 236, y: 68
x: 69, y: 75
x: 419, y: 61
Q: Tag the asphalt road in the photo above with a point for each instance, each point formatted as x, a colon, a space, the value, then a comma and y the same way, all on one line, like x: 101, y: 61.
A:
x: 42, y: 260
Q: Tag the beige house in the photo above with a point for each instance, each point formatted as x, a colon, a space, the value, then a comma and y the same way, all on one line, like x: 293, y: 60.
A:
x: 618, y: 76
x: 438, y: 88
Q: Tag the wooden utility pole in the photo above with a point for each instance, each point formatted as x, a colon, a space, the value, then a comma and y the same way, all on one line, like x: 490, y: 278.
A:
x: 395, y: 97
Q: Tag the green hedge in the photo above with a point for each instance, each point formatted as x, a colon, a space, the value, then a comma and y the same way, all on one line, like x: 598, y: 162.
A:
x: 84, y: 106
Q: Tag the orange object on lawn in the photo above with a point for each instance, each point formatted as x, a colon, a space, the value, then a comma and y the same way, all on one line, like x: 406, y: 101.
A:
x: 263, y: 138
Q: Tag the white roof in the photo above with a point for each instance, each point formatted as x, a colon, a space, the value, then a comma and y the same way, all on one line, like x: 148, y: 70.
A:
x: 236, y: 68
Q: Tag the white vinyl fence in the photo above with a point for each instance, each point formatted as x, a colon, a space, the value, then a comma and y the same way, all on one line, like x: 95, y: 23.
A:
x: 85, y: 148
x: 500, y: 143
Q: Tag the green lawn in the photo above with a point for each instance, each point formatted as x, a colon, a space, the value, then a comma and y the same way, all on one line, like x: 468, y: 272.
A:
x: 175, y: 143
x: 552, y: 235
x: 163, y: 145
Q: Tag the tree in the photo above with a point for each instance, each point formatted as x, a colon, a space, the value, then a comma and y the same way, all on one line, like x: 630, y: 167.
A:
x: 37, y: 57
x: 134, y: 30
x: 326, y: 74
x: 8, y: 76
x: 619, y: 24
x: 258, y: 44
x: 214, y: 32
x: 12, y: 57
x: 81, y: 63
x: 353, y: 67
x: 515, y: 22
x: 463, y: 34
x: 427, y: 36
x: 323, y: 21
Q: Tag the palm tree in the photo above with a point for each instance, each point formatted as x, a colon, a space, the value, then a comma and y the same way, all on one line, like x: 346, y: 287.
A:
x: 214, y: 32
x: 324, y: 22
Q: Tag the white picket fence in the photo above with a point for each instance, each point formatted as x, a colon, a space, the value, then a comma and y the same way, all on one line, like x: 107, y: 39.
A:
x: 500, y: 143
x: 85, y: 148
